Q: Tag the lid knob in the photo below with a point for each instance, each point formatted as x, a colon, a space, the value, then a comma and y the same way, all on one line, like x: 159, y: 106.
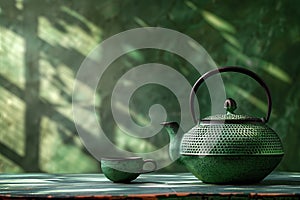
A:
x: 230, y: 105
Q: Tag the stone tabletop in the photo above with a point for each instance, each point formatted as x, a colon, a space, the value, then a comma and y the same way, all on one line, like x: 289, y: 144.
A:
x: 278, y: 184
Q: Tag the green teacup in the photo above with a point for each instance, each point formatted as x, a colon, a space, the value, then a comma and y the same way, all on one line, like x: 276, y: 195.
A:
x: 124, y: 170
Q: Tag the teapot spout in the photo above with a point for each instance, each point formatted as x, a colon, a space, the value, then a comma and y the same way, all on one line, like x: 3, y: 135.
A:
x: 171, y: 127
x: 175, y: 134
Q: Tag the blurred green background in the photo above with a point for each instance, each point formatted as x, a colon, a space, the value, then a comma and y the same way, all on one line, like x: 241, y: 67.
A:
x: 42, y: 44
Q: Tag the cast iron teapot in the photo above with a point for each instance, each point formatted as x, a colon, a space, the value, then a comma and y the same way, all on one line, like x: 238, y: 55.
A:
x: 227, y: 148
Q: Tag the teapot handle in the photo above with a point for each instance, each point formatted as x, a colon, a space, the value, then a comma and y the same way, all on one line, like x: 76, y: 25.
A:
x: 230, y: 69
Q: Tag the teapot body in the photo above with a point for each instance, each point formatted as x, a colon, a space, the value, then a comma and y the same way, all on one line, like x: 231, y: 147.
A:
x: 231, y: 139
x: 231, y: 153
x: 231, y: 169
x: 227, y: 148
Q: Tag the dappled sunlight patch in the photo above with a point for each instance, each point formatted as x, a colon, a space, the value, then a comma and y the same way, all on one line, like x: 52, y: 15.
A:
x: 237, y: 55
x: 73, y: 37
x: 231, y: 40
x: 12, y: 49
x: 11, y: 121
x: 275, y: 71
x: 140, y: 22
x: 217, y: 22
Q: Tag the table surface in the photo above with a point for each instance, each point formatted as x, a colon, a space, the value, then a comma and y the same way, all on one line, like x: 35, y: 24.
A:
x: 279, y: 185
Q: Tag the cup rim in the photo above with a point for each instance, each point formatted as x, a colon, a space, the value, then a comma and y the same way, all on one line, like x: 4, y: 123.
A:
x: 121, y: 158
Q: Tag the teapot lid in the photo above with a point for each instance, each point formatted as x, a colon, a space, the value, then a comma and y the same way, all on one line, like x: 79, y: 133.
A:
x: 230, y: 117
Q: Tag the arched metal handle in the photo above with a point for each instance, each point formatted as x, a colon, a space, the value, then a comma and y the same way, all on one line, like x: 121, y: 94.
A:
x: 230, y: 69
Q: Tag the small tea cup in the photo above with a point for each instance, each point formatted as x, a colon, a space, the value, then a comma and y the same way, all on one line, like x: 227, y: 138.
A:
x: 124, y: 170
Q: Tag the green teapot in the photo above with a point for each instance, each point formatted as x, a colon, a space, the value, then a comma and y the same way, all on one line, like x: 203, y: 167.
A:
x: 227, y: 148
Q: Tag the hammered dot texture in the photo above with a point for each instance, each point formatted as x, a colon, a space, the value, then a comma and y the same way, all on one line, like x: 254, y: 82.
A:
x: 231, y: 139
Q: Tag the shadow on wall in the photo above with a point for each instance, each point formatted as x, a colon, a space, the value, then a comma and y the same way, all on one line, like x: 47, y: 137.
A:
x: 43, y: 44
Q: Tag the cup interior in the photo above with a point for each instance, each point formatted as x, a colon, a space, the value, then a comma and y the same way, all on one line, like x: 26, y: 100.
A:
x: 125, y: 164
